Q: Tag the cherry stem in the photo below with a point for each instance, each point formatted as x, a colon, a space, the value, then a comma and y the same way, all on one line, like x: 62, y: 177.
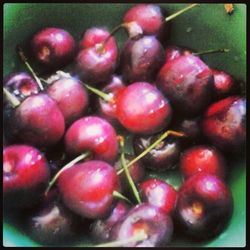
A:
x: 104, y: 96
x: 127, y: 173
x: 11, y: 98
x: 180, y: 12
x: 211, y: 51
x: 152, y: 146
x: 67, y: 166
x: 120, y: 196
x: 119, y: 243
x: 23, y: 58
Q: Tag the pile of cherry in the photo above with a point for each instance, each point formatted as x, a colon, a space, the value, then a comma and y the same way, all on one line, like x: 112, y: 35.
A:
x: 66, y: 171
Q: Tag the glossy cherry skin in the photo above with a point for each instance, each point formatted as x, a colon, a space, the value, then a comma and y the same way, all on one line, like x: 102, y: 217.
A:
x: 53, y: 47
x: 21, y: 85
x: 87, y: 188
x: 141, y: 59
x: 96, y: 62
x: 92, y: 133
x: 163, y: 157
x: 202, y: 158
x: 71, y: 97
x: 142, y: 109
x: 188, y: 83
x: 224, y: 84
x: 38, y: 121
x: 204, y: 206
x: 173, y: 52
x: 107, y: 110
x: 136, y: 171
x: 224, y: 124
x: 101, y: 228
x: 159, y: 193
x: 146, y: 19
x: 53, y: 224
x: 146, y: 218
x: 25, y: 175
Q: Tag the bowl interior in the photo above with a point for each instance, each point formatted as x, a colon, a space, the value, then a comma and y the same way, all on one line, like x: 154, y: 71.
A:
x: 205, y: 27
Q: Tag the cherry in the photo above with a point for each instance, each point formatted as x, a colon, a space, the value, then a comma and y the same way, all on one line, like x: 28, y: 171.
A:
x: 164, y: 156
x: 25, y: 175
x: 202, y: 158
x: 224, y: 84
x: 136, y: 171
x: 21, y: 84
x: 142, y: 109
x: 70, y: 95
x: 53, y: 224
x: 173, y: 52
x: 146, y: 224
x: 87, y: 188
x: 141, y: 59
x: 159, y: 193
x: 224, y: 124
x: 204, y: 206
x: 188, y: 83
x: 92, y: 133
x: 107, y: 109
x: 100, y: 229
x: 97, y: 60
x: 37, y: 120
x: 53, y: 47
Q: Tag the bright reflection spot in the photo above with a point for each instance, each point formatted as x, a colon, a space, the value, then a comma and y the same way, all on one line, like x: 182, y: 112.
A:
x: 93, y: 130
x: 59, y: 37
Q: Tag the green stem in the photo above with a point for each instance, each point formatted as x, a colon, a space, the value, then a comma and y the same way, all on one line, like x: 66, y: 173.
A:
x: 211, y: 51
x: 120, y: 243
x: 11, y: 98
x: 152, y: 146
x: 180, y: 12
x: 104, y: 96
x: 23, y: 58
x: 67, y: 166
x: 120, y: 196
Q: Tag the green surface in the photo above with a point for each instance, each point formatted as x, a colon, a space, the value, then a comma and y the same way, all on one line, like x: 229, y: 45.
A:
x: 204, y: 27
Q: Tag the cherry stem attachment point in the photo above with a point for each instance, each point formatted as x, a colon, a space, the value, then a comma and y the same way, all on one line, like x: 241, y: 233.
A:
x: 120, y: 243
x: 127, y: 173
x: 11, y: 98
x: 23, y: 58
x: 211, y: 51
x: 120, y: 196
x: 67, y: 166
x: 104, y: 96
x: 180, y: 12
x: 152, y: 146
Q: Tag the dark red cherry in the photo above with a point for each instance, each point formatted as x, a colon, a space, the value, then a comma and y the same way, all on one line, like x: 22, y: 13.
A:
x: 141, y: 59
x: 38, y: 121
x: 188, y: 83
x: 92, y: 133
x: 143, y: 220
x: 159, y: 193
x: 71, y: 97
x: 53, y: 47
x: 87, y: 188
x: 204, y: 206
x: 142, y: 109
x: 173, y: 52
x: 224, y: 84
x: 21, y: 85
x: 224, y: 124
x: 164, y: 156
x: 53, y: 224
x: 97, y: 60
x: 136, y: 171
x: 100, y: 229
x: 107, y: 110
x: 202, y: 158
x: 25, y: 175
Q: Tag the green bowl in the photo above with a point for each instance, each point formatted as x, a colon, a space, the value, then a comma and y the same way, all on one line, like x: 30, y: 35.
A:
x: 205, y: 27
